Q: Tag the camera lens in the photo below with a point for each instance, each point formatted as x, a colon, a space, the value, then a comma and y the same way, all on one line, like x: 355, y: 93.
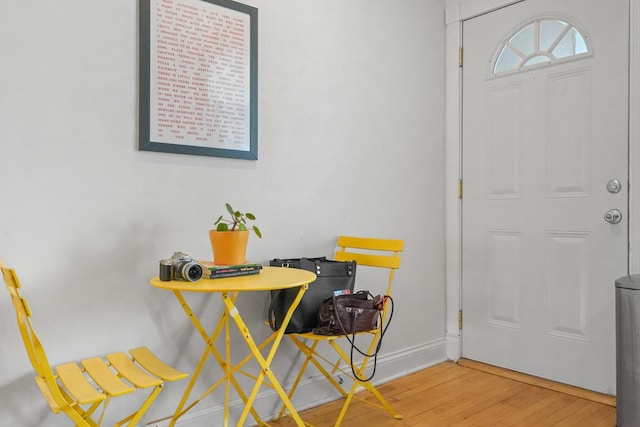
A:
x: 190, y: 271
x: 195, y: 272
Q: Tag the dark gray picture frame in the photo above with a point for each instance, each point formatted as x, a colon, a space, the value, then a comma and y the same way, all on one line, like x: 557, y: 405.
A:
x: 145, y: 102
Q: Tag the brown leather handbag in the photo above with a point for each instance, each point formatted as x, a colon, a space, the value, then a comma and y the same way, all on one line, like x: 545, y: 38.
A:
x: 349, y: 314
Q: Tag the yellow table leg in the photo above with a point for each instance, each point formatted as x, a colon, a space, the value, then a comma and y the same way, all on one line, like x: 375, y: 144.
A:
x: 264, y: 363
x: 210, y: 350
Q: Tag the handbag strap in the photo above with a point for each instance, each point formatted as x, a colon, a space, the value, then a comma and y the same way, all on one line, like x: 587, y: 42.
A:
x: 352, y: 339
x: 331, y: 265
x: 271, y: 315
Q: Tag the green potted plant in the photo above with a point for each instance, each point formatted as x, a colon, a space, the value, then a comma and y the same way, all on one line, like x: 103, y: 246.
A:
x: 230, y: 236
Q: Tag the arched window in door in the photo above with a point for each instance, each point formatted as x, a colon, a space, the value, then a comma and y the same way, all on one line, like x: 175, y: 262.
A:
x: 542, y: 41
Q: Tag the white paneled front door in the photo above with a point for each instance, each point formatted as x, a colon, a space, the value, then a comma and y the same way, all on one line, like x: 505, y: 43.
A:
x: 543, y: 136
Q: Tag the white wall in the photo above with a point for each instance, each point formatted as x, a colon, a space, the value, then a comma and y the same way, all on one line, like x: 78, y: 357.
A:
x: 351, y: 141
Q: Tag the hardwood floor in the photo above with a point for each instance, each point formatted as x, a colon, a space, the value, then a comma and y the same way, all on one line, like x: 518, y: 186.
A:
x: 467, y: 394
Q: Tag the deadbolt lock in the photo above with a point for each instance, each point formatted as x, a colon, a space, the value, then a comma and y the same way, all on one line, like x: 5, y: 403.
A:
x: 614, y: 186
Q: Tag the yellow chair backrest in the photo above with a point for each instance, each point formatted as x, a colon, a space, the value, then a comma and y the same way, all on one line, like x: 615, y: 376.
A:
x: 372, y: 252
x: 32, y: 344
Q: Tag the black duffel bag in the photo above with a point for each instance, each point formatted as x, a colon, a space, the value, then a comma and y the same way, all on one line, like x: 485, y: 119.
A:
x: 331, y: 276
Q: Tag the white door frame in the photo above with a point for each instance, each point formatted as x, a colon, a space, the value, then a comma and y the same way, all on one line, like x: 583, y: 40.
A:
x: 456, y: 12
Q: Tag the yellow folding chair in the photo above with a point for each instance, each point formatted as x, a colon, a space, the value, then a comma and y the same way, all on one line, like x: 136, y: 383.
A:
x: 369, y: 252
x: 78, y: 390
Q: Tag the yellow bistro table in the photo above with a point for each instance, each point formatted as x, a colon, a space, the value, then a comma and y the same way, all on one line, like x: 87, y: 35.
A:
x: 270, y: 278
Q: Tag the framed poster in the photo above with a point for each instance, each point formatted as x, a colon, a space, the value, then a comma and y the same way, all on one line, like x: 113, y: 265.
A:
x: 199, y: 78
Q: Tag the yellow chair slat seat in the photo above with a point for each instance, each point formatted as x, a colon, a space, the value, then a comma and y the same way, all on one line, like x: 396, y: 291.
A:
x: 383, y: 255
x: 100, y: 372
x: 78, y: 389
x: 76, y: 383
x: 157, y: 367
x: 125, y: 366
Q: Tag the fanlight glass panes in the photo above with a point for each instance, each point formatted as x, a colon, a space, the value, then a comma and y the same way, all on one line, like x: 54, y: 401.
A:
x: 524, y: 40
x: 540, y: 59
x: 538, y: 42
x: 549, y: 30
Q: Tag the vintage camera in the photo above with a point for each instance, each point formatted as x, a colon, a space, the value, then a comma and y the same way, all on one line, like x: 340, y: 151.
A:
x: 180, y: 267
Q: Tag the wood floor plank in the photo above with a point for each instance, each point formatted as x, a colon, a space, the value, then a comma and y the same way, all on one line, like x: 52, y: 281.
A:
x: 449, y: 394
x: 527, y: 415
x: 540, y: 382
x: 465, y: 412
x: 453, y: 397
x: 589, y: 417
x: 569, y: 408
x: 511, y: 400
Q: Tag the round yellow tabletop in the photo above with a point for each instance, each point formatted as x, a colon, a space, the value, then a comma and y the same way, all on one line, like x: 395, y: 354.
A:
x: 268, y: 279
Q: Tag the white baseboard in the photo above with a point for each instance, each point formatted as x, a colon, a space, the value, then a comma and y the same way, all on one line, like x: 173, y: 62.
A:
x: 454, y: 346
x: 314, y: 390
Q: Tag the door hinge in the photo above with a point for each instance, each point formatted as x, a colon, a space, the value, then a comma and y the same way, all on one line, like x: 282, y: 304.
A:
x: 459, y: 189
x: 460, y: 56
x: 459, y: 319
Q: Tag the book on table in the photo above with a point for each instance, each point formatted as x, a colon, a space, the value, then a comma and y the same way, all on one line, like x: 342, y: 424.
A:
x: 213, y: 271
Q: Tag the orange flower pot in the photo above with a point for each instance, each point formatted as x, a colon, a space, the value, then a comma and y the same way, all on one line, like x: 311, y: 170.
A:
x: 229, y: 247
